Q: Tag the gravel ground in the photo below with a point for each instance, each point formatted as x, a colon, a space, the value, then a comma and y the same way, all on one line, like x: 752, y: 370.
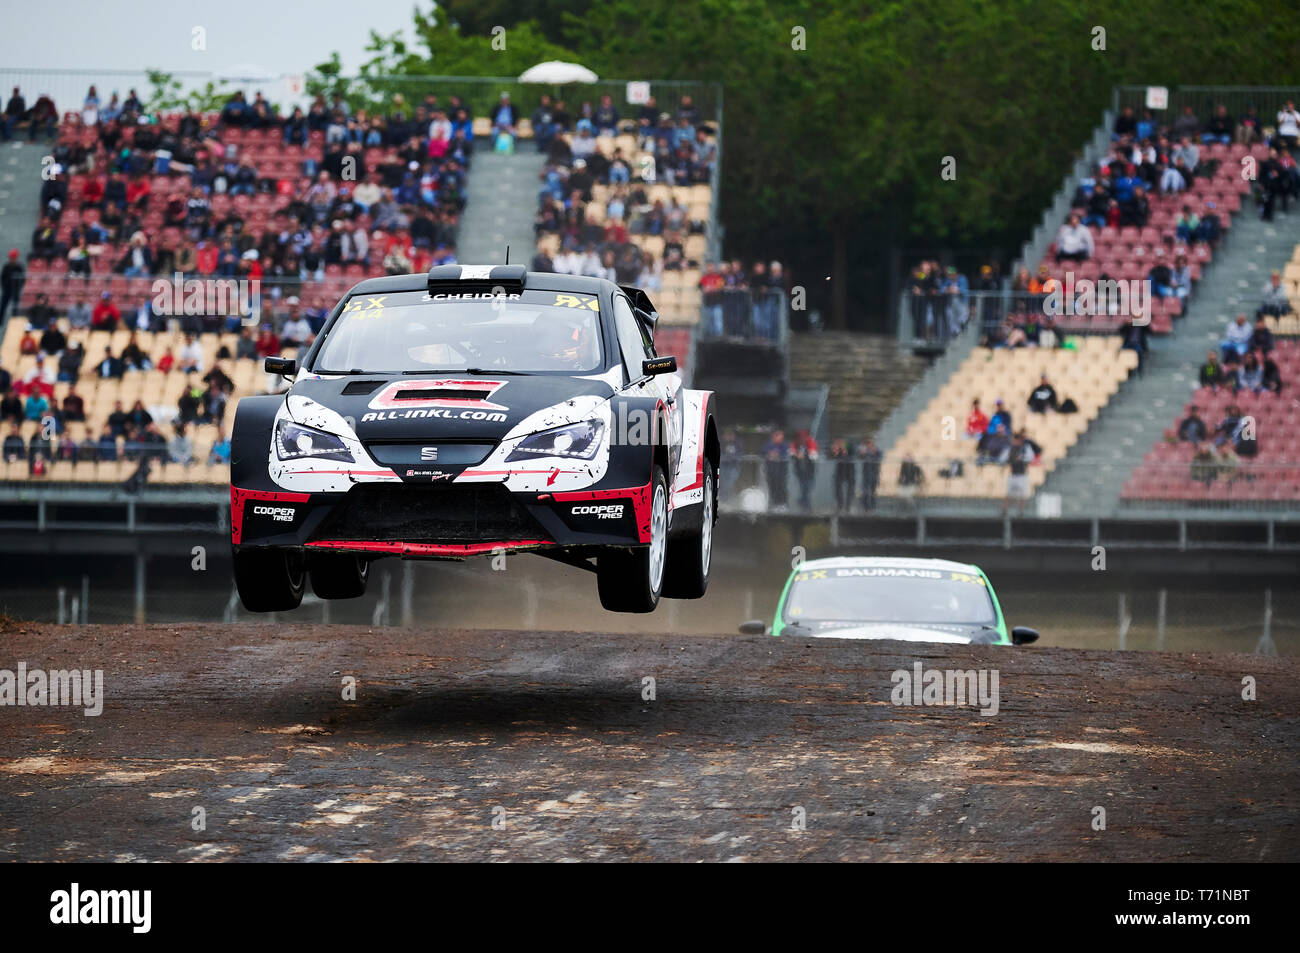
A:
x: 509, y: 745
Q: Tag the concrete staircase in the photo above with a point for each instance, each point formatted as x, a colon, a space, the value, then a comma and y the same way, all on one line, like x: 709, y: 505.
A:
x: 867, y: 374
x: 1093, y: 475
x: 20, y: 194
x: 501, y: 194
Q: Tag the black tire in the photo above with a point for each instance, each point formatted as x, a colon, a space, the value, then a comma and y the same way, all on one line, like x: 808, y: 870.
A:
x: 269, y: 580
x: 338, y: 575
x: 690, y: 555
x: 629, y: 579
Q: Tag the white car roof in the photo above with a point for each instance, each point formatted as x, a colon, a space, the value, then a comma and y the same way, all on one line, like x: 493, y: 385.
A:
x: 896, y: 562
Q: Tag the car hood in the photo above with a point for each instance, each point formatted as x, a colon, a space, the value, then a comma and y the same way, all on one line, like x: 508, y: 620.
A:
x: 455, y: 406
x: 897, y: 631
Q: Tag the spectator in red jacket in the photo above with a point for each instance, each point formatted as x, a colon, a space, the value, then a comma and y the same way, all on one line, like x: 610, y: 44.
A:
x: 977, y: 422
x: 105, y: 316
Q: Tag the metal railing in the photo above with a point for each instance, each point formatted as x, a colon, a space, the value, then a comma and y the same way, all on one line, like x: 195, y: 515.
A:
x: 374, y: 92
x: 823, y: 486
x: 751, y: 314
x: 1204, y: 100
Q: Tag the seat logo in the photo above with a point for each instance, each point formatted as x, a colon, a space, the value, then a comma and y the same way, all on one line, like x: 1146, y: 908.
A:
x: 428, y: 454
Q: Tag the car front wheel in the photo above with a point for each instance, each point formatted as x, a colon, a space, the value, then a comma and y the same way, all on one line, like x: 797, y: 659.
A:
x: 689, y: 556
x: 632, y: 580
x: 269, y: 580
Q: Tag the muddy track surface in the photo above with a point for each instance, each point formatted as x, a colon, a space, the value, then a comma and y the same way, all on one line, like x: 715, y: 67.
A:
x: 491, y: 745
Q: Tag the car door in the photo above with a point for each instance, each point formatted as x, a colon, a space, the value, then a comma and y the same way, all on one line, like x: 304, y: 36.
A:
x: 636, y: 344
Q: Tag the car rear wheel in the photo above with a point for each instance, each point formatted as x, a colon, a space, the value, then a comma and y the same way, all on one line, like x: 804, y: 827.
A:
x: 689, y: 556
x: 632, y: 580
x: 269, y: 580
x: 338, y: 575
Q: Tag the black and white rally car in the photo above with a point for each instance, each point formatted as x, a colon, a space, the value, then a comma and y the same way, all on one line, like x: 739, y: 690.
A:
x: 477, y: 410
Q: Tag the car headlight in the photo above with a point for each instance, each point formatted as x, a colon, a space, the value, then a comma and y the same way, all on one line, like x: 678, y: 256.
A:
x: 295, y: 442
x: 575, y: 441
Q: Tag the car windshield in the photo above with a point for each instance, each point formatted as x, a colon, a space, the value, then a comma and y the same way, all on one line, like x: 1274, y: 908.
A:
x: 414, y: 331
x: 889, y: 594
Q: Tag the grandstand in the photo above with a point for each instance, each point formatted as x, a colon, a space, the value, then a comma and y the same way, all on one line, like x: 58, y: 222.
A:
x: 1094, y: 460
x: 220, y: 196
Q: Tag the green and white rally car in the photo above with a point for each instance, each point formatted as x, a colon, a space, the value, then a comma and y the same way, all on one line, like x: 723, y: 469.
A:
x: 885, y: 597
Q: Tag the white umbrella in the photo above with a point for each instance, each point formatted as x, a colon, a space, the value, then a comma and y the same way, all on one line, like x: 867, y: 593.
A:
x: 557, y: 73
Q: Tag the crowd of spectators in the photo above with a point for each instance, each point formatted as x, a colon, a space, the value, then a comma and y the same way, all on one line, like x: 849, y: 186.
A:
x: 940, y: 298
x: 587, y: 150
x: 249, y: 194
x: 59, y: 351
x: 855, y: 470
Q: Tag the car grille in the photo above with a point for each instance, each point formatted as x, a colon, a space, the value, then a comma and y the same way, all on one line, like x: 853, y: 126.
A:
x: 429, y: 514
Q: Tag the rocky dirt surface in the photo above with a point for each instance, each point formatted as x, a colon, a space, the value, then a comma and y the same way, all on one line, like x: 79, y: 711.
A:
x: 507, y: 745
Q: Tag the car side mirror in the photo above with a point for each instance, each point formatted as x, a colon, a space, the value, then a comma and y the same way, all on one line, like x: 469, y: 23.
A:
x: 753, y: 627
x: 659, y: 365
x: 1022, y: 635
x: 284, y: 366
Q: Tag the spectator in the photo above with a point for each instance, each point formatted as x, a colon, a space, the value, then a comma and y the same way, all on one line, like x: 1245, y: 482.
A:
x: 1043, y: 397
x: 845, y: 475
x: 1073, y: 241
x: 1203, y: 469
x: 1288, y: 125
x: 911, y: 479
x: 1236, y: 340
x: 109, y: 367
x: 775, y: 454
x: 1261, y: 338
x: 995, y: 448
x: 106, y: 315
x: 977, y: 422
x: 133, y: 357
x: 74, y: 407
x: 1192, y: 429
x: 40, y: 315
x: 505, y: 117
x: 191, y: 355
x: 870, y: 456
x: 803, y: 456
x: 220, y: 452
x: 1250, y: 375
x: 12, y: 278
x: 14, y: 447
x: 37, y: 406
x: 107, y: 445
x: 1272, y: 376
x: 181, y: 447
x: 79, y: 315
x: 296, y: 331
x: 1211, y: 373
x: 1274, y: 300
x: 1001, y: 417
x: 1019, y: 456
x: 1133, y: 337
x: 11, y: 406
x: 53, y: 341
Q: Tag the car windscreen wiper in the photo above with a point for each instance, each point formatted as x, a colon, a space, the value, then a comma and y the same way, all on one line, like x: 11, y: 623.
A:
x: 354, y: 371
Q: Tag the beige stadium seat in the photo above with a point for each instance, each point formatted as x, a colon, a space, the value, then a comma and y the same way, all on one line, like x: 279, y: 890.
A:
x: 1090, y: 376
x: 654, y: 244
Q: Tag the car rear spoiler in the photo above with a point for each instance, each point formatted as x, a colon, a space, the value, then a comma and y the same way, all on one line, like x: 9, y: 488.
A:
x: 645, y: 310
